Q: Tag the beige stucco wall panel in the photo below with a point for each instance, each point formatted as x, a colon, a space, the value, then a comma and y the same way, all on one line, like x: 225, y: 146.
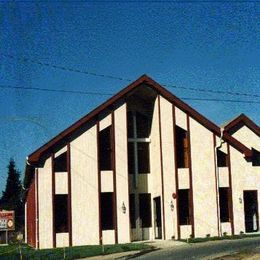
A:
x: 107, y: 181
x: 155, y: 160
x: 84, y: 189
x: 61, y: 183
x: 168, y: 165
x: 123, y: 222
x: 183, y: 177
x: 62, y: 239
x: 45, y: 205
x: 247, y: 137
x: 154, y: 179
x: 105, y: 122
x: 108, y: 237
x: 180, y: 118
x: 223, y: 177
x: 226, y: 228
x: 185, y: 231
x: 203, y: 177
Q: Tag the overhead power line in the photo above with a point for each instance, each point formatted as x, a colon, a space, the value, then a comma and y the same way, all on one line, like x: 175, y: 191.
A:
x: 111, y: 94
x: 64, y: 68
x: 139, y: 1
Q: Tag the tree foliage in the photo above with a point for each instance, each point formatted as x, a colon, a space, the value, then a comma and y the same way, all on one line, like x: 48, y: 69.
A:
x: 12, y: 195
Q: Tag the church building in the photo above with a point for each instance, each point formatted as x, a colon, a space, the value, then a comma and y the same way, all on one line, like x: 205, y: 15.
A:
x: 144, y: 165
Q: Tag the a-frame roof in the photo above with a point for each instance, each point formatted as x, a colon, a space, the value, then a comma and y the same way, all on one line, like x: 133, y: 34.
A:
x: 35, y: 156
x: 240, y: 121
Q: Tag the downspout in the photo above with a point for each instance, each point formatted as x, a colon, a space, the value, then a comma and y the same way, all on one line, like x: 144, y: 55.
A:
x: 217, y: 147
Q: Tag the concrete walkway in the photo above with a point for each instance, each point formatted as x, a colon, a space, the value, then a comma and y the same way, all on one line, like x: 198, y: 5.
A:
x: 157, y: 244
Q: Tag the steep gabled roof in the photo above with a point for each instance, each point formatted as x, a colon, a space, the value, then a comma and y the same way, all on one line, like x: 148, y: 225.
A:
x: 240, y: 121
x: 35, y: 156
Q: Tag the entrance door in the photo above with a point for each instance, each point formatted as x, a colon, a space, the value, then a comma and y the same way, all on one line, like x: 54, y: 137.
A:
x: 157, y: 218
x: 251, y: 211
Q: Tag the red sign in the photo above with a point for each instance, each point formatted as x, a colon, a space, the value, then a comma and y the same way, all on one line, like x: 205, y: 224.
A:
x: 7, y: 220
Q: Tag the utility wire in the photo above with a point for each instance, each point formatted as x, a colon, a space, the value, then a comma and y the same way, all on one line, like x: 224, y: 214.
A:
x: 24, y: 59
x: 136, y: 1
x: 111, y: 94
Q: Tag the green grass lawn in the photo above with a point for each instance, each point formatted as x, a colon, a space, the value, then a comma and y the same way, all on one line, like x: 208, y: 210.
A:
x: 12, y: 251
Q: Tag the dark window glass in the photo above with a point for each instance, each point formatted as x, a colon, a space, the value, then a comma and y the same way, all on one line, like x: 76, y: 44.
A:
x: 224, y: 204
x: 130, y: 125
x: 184, y: 207
x: 222, y: 159
x: 142, y: 126
x: 61, y: 213
x: 105, y: 149
x: 182, y: 149
x: 131, y: 158
x: 256, y: 158
x: 60, y: 163
x: 132, y: 210
x: 145, y: 209
x: 107, y: 221
x: 143, y: 158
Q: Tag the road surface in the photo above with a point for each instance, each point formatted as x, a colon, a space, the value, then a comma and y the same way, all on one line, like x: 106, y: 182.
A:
x: 206, y: 250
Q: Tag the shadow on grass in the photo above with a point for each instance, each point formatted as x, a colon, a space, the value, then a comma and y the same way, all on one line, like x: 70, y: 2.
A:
x: 143, y: 252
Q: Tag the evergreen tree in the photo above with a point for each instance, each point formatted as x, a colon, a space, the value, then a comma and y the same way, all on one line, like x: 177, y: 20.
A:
x: 12, y: 195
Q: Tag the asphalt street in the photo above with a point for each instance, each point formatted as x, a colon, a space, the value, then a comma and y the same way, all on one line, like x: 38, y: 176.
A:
x: 206, y: 250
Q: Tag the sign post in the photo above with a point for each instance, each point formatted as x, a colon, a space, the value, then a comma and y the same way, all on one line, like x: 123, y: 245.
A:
x: 7, y: 222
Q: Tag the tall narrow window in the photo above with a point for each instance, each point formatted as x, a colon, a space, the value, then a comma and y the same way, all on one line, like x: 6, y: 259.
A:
x: 131, y: 158
x: 61, y: 213
x: 132, y: 210
x: 130, y: 124
x: 145, y: 209
x: 105, y: 149
x: 224, y: 204
x: 143, y: 157
x: 222, y: 159
x: 184, y: 207
x: 107, y: 211
x: 182, y: 149
x: 138, y: 142
x: 142, y: 125
x: 60, y: 163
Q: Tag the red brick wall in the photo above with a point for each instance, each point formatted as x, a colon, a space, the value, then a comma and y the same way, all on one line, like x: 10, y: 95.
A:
x: 31, y: 215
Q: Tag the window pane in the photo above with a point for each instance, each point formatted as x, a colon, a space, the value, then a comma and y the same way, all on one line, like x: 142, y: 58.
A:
x: 131, y: 159
x: 61, y: 213
x: 221, y: 159
x: 142, y: 125
x: 145, y: 209
x: 107, y: 221
x: 184, y: 207
x: 132, y: 210
x: 182, y: 149
x: 130, y: 125
x: 60, y: 163
x: 105, y: 149
x: 143, y: 158
x: 224, y: 204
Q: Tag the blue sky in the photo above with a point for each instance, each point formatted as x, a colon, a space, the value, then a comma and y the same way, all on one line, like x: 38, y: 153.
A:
x: 206, y: 45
